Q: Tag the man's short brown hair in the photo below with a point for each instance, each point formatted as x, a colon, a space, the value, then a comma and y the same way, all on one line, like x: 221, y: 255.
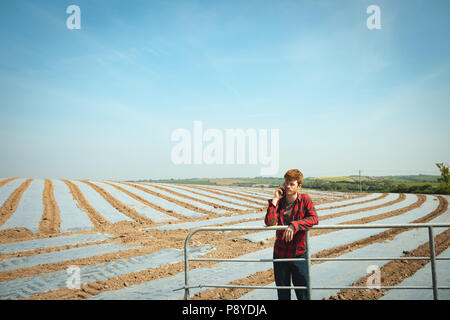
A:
x: 294, y: 174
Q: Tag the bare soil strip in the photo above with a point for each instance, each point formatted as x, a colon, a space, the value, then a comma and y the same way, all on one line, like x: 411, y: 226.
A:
x: 130, y: 212
x: 266, y: 277
x: 154, y: 206
x: 400, y: 198
x: 241, y: 192
x: 384, y: 195
x: 353, y: 196
x: 324, y: 200
x: 12, y: 202
x: 180, y: 203
x: 217, y: 198
x: 100, y: 223
x: 30, y: 253
x: 420, y: 200
x: 230, y: 194
x: 50, y: 221
x: 215, y: 205
x: 2, y: 183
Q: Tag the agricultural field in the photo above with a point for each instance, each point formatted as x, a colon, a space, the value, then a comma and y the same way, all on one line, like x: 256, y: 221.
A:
x: 85, y: 239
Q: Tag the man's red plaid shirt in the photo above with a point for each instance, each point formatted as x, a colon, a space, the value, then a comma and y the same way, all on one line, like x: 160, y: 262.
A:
x: 304, y: 216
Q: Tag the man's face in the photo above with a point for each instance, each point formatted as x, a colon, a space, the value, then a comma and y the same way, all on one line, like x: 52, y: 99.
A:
x: 291, y: 186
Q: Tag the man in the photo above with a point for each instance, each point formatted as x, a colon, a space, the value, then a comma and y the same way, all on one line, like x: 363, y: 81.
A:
x: 289, y: 207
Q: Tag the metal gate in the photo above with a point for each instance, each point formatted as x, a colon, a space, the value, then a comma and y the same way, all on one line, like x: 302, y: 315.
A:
x: 308, y: 259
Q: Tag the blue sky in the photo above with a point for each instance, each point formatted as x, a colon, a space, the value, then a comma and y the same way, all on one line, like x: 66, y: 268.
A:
x: 102, y: 102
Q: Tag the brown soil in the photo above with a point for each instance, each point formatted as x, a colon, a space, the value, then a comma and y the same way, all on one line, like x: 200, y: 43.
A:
x: 400, y: 198
x: 148, y: 203
x: 231, y: 194
x: 130, y: 212
x: 217, y: 198
x: 12, y: 202
x: 15, y: 234
x: 2, y: 183
x: 183, y: 204
x: 50, y: 219
x: 215, y: 205
x: 354, y: 203
x: 96, y: 218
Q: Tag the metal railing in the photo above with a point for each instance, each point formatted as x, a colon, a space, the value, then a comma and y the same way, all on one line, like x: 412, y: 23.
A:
x: 308, y: 259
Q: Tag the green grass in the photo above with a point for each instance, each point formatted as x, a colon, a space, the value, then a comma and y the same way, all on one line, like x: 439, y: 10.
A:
x: 406, y: 184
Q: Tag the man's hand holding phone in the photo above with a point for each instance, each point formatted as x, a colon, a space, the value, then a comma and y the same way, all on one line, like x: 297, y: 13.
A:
x: 279, y: 193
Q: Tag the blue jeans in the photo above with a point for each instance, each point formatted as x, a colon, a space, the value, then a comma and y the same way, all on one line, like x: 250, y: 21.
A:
x: 284, y: 271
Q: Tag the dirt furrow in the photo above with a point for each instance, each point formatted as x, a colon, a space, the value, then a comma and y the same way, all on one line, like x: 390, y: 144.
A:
x: 12, y: 202
x: 130, y: 212
x: 151, y: 205
x: 33, y: 252
x: 180, y: 203
x: 354, y: 203
x: 241, y: 193
x: 400, y: 198
x: 50, y: 221
x: 217, y: 198
x: 2, y: 183
x: 100, y: 223
x: 230, y: 194
x: 215, y: 205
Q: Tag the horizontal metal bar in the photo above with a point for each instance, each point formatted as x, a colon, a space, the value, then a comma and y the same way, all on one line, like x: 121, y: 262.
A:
x: 304, y: 288
x: 374, y: 287
x: 370, y: 259
x: 364, y: 226
x: 338, y: 226
x: 315, y: 259
x: 240, y: 287
x: 249, y: 260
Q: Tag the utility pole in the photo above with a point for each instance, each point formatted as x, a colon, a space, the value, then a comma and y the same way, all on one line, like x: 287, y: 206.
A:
x: 360, y: 190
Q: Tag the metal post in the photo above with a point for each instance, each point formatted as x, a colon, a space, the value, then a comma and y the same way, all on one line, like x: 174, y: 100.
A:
x: 433, y: 263
x: 308, y: 275
x: 186, y: 265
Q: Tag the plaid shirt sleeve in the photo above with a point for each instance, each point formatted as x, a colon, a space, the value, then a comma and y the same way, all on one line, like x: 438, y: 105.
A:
x: 271, y: 218
x: 310, y: 219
